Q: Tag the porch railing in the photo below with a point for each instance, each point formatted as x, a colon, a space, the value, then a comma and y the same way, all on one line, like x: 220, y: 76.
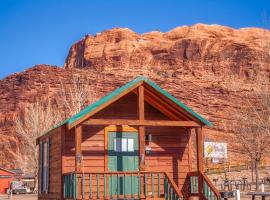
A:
x: 209, y: 190
x: 120, y: 185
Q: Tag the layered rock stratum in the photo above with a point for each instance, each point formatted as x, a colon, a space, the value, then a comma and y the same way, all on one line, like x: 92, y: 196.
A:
x: 210, y: 68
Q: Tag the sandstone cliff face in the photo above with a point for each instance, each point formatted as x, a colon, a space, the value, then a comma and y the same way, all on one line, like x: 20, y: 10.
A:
x: 207, y: 67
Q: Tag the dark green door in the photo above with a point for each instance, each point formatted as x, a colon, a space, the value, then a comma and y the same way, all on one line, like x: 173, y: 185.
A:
x: 123, y: 156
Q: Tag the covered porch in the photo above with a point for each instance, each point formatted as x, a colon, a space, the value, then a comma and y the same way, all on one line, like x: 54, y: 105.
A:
x: 141, y: 184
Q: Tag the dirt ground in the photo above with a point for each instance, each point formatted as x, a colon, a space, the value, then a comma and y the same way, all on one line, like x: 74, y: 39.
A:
x: 19, y: 197
x: 238, y: 176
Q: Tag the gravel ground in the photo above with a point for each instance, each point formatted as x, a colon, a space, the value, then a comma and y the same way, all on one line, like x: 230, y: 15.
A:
x: 19, y: 197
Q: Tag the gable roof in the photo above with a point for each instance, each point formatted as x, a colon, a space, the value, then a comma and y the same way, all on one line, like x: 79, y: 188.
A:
x: 122, y: 90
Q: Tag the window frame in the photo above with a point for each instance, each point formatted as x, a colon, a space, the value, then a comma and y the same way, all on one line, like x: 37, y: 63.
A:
x: 44, y: 166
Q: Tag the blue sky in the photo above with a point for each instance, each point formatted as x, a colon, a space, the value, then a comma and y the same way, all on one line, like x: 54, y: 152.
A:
x: 41, y: 31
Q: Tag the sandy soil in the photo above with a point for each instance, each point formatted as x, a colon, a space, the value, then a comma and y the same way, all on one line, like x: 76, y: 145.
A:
x: 20, y: 197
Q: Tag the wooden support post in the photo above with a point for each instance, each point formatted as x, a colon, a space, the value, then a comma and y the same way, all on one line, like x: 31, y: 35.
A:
x: 62, y: 145
x: 78, y: 148
x: 199, y: 144
x: 141, y: 128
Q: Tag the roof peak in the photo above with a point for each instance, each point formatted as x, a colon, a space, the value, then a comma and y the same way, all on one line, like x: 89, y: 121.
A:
x: 113, y: 96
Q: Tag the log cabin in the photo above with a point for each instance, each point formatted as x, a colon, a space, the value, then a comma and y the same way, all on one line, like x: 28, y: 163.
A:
x: 134, y: 143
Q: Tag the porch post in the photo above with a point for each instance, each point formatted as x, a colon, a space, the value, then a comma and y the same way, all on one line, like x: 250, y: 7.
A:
x: 62, y: 141
x: 78, y: 148
x: 199, y: 144
x: 141, y: 128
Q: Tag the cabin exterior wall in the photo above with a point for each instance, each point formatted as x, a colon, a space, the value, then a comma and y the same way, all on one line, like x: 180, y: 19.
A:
x: 55, y: 167
x: 170, y: 145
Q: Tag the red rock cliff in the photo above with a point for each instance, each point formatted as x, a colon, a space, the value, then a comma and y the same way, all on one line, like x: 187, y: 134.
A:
x: 207, y: 67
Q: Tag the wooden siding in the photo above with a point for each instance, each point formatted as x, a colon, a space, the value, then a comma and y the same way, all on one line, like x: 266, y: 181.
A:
x: 55, y: 175
x: 170, y: 145
x: 92, y: 150
x: 169, y: 152
x: 127, y: 108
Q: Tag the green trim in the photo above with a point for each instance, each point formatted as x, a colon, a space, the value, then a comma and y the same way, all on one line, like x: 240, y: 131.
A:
x: 120, y: 90
x: 103, y: 100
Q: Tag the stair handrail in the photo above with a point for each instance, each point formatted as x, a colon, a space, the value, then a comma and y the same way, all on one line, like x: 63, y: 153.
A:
x: 210, y: 184
x: 174, y: 186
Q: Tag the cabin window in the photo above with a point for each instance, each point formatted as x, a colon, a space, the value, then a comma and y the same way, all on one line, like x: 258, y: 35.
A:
x: 124, y: 145
x: 44, y: 166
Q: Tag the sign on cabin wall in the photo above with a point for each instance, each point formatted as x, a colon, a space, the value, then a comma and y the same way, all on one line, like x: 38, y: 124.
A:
x: 215, y: 150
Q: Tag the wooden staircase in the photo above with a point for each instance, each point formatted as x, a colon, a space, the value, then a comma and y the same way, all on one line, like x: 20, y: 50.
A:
x: 208, y: 190
x: 140, y: 185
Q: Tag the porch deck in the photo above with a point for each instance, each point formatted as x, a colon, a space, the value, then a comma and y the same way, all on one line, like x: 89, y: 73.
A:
x: 149, y: 185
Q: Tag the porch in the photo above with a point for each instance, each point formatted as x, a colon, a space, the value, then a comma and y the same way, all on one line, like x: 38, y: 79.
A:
x: 149, y: 185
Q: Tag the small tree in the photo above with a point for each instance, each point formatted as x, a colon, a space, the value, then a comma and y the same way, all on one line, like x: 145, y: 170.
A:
x: 35, y: 120
x: 77, y: 95
x: 39, y: 117
x: 253, y: 125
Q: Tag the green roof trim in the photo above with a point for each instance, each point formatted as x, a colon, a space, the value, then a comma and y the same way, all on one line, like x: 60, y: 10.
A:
x: 104, y: 100
x: 121, y: 89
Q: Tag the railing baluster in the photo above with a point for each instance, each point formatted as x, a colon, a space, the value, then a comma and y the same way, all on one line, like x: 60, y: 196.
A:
x: 64, y: 189
x: 97, y: 176
x: 152, y: 182
x: 158, y: 184
x: 124, y: 185
x: 69, y: 185
x: 82, y: 186
x: 165, y: 187
x: 139, y: 185
x: 75, y: 186
x: 90, y: 189
x: 170, y: 190
x: 111, y: 185
x: 145, y: 185
x: 131, y: 190
x: 118, y: 186
x: 105, y: 185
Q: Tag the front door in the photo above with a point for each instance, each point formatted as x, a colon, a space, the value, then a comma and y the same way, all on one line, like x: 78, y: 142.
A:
x: 123, y: 155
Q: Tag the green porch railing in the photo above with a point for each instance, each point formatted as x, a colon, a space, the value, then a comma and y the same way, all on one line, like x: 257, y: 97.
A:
x: 70, y: 186
x: 170, y: 189
x: 209, y: 191
x: 120, y: 185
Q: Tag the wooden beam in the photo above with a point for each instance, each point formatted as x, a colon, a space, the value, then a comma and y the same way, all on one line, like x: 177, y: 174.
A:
x: 78, y: 148
x: 174, y: 105
x: 199, y: 144
x: 141, y: 122
x: 166, y: 106
x: 159, y: 106
x: 141, y: 127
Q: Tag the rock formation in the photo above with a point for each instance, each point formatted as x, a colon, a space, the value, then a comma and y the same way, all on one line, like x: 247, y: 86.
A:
x: 209, y: 68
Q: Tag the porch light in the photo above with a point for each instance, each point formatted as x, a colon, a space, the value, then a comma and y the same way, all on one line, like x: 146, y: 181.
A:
x: 148, y: 150
x: 78, y: 157
x: 148, y: 138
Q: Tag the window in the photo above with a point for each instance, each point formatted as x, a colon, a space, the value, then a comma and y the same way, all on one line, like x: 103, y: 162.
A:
x: 124, y: 145
x: 44, y: 168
